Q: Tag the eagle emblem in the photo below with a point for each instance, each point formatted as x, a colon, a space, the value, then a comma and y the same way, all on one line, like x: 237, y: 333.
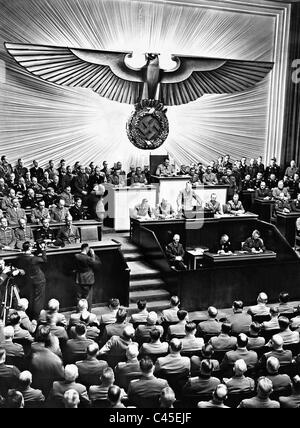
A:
x: 150, y: 88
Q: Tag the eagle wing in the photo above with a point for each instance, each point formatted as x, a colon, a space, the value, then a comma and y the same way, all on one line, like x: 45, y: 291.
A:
x: 105, y: 72
x: 196, y: 76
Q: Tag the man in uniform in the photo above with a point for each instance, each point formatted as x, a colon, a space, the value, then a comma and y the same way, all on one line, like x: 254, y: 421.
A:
x: 59, y: 212
x: 7, y: 236
x: 23, y: 233
x: 68, y: 234
x: 254, y: 244
x: 214, y: 205
x: 40, y: 213
x: 165, y: 169
x: 235, y: 206
x: 186, y: 197
x: 15, y: 213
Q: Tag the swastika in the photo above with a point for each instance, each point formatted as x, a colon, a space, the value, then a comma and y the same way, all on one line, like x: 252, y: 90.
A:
x: 149, y: 126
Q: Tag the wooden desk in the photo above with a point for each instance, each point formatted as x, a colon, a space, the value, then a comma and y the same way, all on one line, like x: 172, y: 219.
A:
x: 247, y: 198
x: 264, y: 209
x: 286, y: 223
x: 120, y: 200
x: 239, y: 256
x: 194, y: 255
x: 111, y: 280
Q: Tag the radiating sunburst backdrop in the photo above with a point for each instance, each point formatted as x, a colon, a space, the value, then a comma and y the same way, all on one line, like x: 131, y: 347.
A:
x: 43, y: 121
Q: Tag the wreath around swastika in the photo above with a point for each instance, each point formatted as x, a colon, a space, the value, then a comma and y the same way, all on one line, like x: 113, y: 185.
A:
x: 137, y: 137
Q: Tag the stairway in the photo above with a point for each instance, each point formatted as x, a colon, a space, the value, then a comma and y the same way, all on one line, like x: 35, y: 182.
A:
x: 145, y: 281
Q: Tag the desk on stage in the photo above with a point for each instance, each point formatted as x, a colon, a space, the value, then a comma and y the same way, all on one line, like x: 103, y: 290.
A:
x: 111, y: 280
x: 239, y: 256
x: 194, y: 256
x: 264, y: 208
x: 120, y: 200
x: 169, y: 188
x: 286, y: 223
x: 247, y: 198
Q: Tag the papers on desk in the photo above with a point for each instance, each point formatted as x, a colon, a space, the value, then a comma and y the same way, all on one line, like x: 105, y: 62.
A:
x: 198, y: 251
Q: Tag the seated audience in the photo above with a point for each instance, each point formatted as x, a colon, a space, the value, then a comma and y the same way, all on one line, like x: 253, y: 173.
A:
x: 211, y: 326
x: 142, y: 332
x: 77, y: 211
x: 191, y: 343
x: 76, y: 349
x: 207, y: 353
x: 284, y: 356
x: 285, y: 307
x: 23, y: 233
x: 14, y: 351
x: 7, y: 236
x: 167, y: 398
x: 25, y: 322
x: 19, y: 332
x: 218, y: 397
x: 178, y: 329
x: 239, y: 383
x: 209, y: 177
x: 67, y: 196
x: 155, y: 346
x: 142, y: 314
x: 293, y: 400
x: 240, y: 321
x: 15, y: 213
x: 116, y: 346
x: 114, y: 397
x: 263, y: 192
x: 261, y: 308
x: 262, y: 399
x: 53, y: 307
x: 235, y: 206
x: 9, y: 375
x: 282, y: 204
x: 223, y: 342
x: 204, y: 383
x: 39, y: 213
x: 31, y: 396
x: 273, y: 323
x: 289, y: 336
x: 130, y: 369
x: 117, y: 328
x: 145, y: 392
x: 281, y: 382
x: 295, y: 205
x: 45, y: 233
x: 170, y: 315
x: 174, y: 362
x: 109, y: 317
x: 241, y: 352
x: 277, y: 191
x: 59, y: 212
x: 254, y: 340
x: 14, y: 400
x: 91, y: 368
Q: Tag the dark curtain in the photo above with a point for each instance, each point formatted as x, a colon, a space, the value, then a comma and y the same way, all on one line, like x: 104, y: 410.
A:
x: 291, y: 135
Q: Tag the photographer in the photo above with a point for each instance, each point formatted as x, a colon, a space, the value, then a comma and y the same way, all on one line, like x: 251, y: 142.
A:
x: 35, y: 280
x: 85, y: 264
x: 6, y: 272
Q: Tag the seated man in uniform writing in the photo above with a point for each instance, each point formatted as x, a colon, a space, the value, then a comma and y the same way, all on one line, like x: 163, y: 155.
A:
x: 143, y: 210
x: 225, y: 245
x: 254, y: 244
x: 165, y: 210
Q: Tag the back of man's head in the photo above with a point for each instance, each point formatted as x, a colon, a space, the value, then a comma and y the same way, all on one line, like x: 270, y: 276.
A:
x: 226, y: 328
x: 175, y: 301
x: 92, y: 350
x: 284, y: 297
x: 128, y: 332
x: 80, y: 329
x: 82, y: 305
x: 283, y: 322
x: 132, y: 351
x: 206, y: 368
x: 14, y: 318
x: 14, y: 400
x: 121, y: 315
x: 108, y: 376
x: 114, y: 394
x: 71, y: 399
x: 207, y: 351
x: 175, y: 345
x: 71, y: 373
x: 146, y: 365
x: 9, y: 332
x: 53, y: 305
x: 155, y: 334
x: 152, y: 318
x: 212, y: 312
x: 114, y: 303
x: 182, y: 315
x: 25, y: 379
x: 240, y: 367
x: 242, y: 340
x: 141, y: 304
x: 190, y: 327
x: 262, y: 298
x: 167, y: 397
x: 273, y: 365
x: 277, y: 342
x: 238, y: 305
x: 264, y: 387
x: 220, y: 393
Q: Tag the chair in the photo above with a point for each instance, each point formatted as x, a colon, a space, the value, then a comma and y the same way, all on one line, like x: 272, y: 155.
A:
x: 175, y: 380
x: 89, y: 233
x: 219, y: 355
x: 268, y: 334
x: 101, y: 404
x: 190, y: 401
x: 261, y: 318
x: 190, y: 354
x: 294, y: 347
x: 234, y: 399
x: 288, y: 315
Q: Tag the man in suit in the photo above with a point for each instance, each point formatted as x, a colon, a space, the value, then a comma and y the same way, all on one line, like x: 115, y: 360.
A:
x: 261, y: 308
x: 240, y: 321
x: 170, y: 315
x: 155, y: 347
x: 85, y: 264
x: 9, y: 375
x: 117, y: 328
x: 146, y: 391
x: 109, y: 317
x: 129, y: 369
x: 173, y: 363
x: 13, y: 350
x: 59, y: 212
x: 262, y: 399
x: 7, y: 236
x: 190, y: 342
x: 143, y: 331
x: 213, y: 205
x: 293, y: 400
x: 76, y: 349
x: 224, y: 342
x: 175, y: 253
x: 239, y: 383
x: 91, y: 368
x: 116, y: 347
x: 15, y: 213
x: 40, y: 213
x: 142, y: 314
x: 217, y: 401
x: 36, y: 171
x: 211, y: 326
x: 204, y: 383
x: 254, y: 340
x: 284, y: 356
x: 241, y: 352
x: 30, y: 394
x: 178, y: 330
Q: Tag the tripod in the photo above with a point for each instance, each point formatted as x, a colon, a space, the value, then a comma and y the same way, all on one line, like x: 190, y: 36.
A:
x: 11, y: 290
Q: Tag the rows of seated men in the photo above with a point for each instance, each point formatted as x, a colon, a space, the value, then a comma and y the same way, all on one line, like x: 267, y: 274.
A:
x: 244, y: 358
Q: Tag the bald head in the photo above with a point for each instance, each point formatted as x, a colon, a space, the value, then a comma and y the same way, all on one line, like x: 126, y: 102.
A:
x: 132, y: 351
x: 240, y: 367
x: 272, y: 365
x: 262, y: 298
x: 264, y: 387
x: 277, y: 342
x: 212, y: 312
x: 167, y: 397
